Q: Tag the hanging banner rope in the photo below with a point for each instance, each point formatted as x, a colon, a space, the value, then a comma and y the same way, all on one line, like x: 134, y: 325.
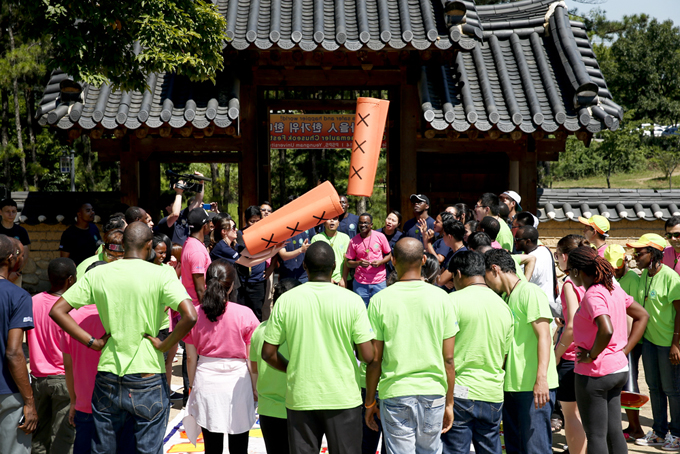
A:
x: 368, y: 133
x: 309, y: 210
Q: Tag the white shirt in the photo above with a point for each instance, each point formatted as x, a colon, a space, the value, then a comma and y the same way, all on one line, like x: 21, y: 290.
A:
x: 543, y: 275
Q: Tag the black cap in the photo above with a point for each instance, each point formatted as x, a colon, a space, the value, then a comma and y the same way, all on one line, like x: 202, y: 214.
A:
x: 415, y: 198
x: 197, y: 217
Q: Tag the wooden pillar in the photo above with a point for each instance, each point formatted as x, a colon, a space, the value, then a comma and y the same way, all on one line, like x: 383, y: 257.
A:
x: 528, y: 177
x: 263, y: 152
x: 513, y: 176
x: 129, y: 173
x: 409, y: 119
x: 393, y: 192
x: 247, y: 171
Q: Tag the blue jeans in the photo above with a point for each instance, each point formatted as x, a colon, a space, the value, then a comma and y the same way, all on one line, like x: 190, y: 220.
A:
x: 663, y: 380
x: 85, y: 434
x: 527, y: 429
x: 477, y: 422
x: 413, y: 424
x: 117, y: 399
x: 366, y: 291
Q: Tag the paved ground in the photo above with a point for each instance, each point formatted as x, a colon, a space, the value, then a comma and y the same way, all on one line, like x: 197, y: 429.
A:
x: 558, y: 439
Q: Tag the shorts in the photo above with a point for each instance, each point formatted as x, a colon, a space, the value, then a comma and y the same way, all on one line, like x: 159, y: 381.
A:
x: 567, y: 389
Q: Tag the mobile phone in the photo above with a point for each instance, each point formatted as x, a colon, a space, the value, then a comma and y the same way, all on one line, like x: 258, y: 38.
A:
x: 22, y: 420
x: 206, y: 206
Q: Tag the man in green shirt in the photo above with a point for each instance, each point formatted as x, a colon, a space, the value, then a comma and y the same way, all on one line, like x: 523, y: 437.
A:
x: 489, y: 205
x: 659, y: 292
x: 339, y: 242
x: 415, y: 332
x: 321, y: 323
x: 131, y: 295
x: 530, y: 371
x: 484, y: 339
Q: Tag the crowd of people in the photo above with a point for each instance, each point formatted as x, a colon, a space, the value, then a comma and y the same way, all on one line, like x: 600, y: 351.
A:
x: 426, y: 337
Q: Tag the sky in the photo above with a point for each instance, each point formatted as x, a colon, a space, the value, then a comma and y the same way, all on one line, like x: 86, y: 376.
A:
x: 616, y: 9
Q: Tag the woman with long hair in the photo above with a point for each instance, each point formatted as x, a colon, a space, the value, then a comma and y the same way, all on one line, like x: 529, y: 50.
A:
x: 565, y: 350
x: 392, y: 233
x: 222, y: 392
x: 602, y: 345
x: 251, y: 273
x: 464, y: 213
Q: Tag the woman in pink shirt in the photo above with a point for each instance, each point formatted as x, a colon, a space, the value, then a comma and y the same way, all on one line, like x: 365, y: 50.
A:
x: 222, y: 393
x: 602, y: 345
x: 565, y: 351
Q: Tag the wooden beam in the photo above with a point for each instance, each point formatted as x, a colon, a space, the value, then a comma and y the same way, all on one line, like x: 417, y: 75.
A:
x: 393, y: 201
x: 318, y: 78
x: 312, y: 104
x: 263, y: 150
x: 514, y: 149
x: 409, y: 123
x: 110, y: 149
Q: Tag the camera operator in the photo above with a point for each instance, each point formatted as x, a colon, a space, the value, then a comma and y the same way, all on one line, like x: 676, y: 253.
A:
x: 176, y: 225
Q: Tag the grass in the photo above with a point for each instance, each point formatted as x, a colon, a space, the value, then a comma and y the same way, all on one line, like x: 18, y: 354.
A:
x: 648, y: 179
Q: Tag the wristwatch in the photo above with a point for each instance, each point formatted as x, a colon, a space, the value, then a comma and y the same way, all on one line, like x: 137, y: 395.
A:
x: 89, y: 344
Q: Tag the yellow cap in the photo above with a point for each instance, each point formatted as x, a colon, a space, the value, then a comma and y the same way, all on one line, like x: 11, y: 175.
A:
x: 615, y: 255
x: 649, y: 240
x: 599, y: 223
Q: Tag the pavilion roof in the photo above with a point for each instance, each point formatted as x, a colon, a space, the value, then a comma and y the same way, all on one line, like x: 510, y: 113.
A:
x: 516, y: 66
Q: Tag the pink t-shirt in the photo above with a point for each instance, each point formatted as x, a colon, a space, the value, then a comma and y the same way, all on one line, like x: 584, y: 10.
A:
x: 601, y: 250
x: 496, y: 245
x: 228, y: 337
x: 671, y: 259
x: 598, y: 301
x: 570, y: 354
x: 195, y: 260
x: 85, y: 360
x: 43, y: 341
x: 373, y: 247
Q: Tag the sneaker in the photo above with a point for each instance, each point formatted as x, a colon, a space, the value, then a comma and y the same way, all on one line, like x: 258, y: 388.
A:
x: 650, y: 440
x: 672, y: 443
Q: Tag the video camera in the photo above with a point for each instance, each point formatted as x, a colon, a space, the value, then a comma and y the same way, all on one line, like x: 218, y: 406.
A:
x: 189, y: 182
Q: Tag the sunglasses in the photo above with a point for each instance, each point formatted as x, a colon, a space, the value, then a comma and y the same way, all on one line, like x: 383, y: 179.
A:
x: 640, y: 252
x: 670, y: 235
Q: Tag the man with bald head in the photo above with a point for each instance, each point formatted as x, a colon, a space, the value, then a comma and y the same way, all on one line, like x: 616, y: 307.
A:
x: 322, y: 324
x: 413, y: 361
x: 131, y: 295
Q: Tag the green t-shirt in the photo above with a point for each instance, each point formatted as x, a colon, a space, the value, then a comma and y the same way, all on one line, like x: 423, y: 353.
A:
x: 661, y: 289
x: 412, y: 318
x: 528, y: 302
x: 271, y: 383
x: 518, y: 268
x: 486, y: 332
x: 321, y: 323
x: 130, y: 296
x: 505, y: 237
x: 339, y: 243
x: 629, y: 283
x: 85, y: 264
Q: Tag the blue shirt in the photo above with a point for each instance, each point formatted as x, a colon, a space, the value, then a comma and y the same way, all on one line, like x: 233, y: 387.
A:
x: 411, y: 228
x: 223, y: 251
x: 349, y: 225
x: 16, y: 311
x: 441, y: 248
x: 293, y: 268
x: 396, y: 236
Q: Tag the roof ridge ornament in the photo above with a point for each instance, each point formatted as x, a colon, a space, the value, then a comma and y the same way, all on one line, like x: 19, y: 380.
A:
x: 551, y: 10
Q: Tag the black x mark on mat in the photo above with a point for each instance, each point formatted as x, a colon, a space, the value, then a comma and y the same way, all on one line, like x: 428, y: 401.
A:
x: 321, y: 218
x: 363, y: 119
x: 295, y: 229
x: 356, y: 172
x: 359, y: 146
x: 269, y: 241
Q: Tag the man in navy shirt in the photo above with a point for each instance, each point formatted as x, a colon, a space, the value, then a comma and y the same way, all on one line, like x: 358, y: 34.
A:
x: 16, y: 396
x: 412, y: 228
x: 293, y: 256
x: 349, y: 223
x: 82, y: 239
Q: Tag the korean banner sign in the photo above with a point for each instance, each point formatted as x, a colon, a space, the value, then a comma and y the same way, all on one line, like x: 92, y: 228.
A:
x: 312, y: 131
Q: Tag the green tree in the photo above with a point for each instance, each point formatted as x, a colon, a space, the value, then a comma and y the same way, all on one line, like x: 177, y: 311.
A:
x: 642, y: 65
x: 666, y: 156
x: 120, y: 42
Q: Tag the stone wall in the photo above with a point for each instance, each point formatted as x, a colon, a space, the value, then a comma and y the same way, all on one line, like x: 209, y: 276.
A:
x: 44, y: 247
